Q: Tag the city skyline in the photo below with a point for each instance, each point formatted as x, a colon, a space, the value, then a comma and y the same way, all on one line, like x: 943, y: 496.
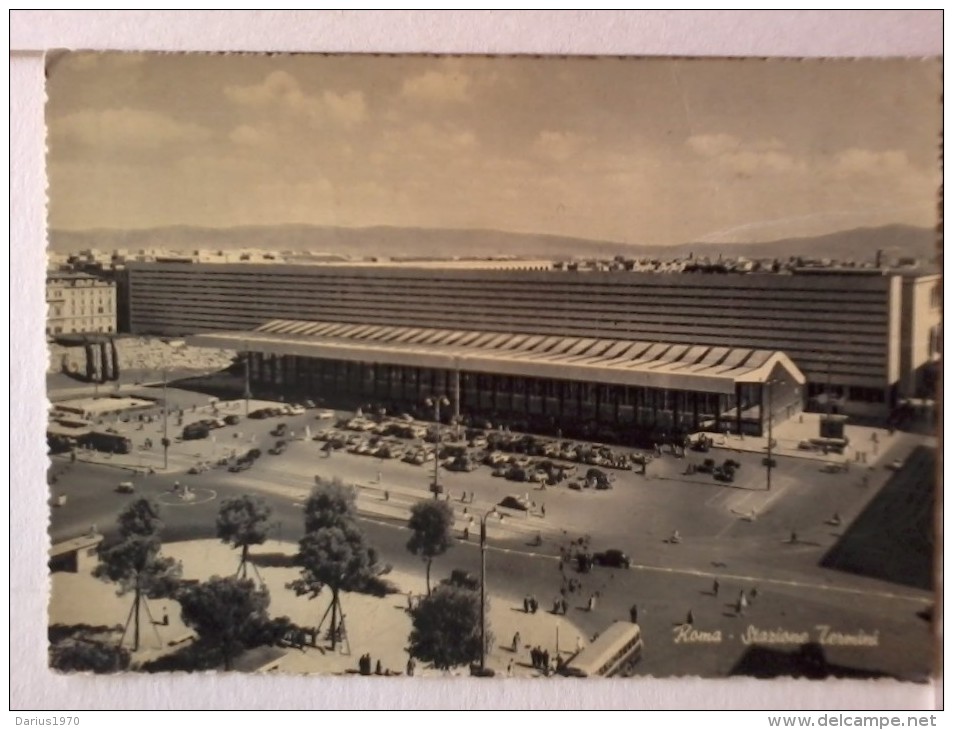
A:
x: 639, y: 151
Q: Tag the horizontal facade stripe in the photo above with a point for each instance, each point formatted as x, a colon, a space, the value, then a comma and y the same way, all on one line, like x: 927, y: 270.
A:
x: 833, y: 324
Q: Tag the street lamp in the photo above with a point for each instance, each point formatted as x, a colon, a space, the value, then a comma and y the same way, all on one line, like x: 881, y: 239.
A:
x: 436, y: 403
x: 165, y: 419
x: 247, y: 393
x: 769, y: 462
x: 483, y: 589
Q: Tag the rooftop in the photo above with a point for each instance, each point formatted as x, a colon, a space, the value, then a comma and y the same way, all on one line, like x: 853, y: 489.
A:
x: 611, y: 361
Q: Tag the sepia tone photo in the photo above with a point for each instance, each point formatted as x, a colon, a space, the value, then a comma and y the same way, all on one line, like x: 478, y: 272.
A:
x: 493, y: 366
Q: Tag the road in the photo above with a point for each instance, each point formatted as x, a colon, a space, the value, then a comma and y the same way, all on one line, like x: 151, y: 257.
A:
x: 719, y: 540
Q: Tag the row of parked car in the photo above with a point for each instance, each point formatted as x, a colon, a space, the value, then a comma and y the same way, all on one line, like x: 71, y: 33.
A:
x: 201, y: 429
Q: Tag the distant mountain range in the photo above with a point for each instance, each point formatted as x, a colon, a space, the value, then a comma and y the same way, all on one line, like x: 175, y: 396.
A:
x: 861, y: 244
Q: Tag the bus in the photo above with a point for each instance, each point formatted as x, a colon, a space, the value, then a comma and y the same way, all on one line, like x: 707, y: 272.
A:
x: 612, y: 654
x: 104, y: 441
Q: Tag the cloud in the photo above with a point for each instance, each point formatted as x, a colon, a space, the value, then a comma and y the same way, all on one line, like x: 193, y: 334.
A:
x: 349, y: 107
x: 247, y: 136
x: 438, y: 86
x: 125, y: 128
x: 855, y: 161
x: 280, y: 91
x: 713, y: 145
x: 746, y: 158
x: 559, y: 146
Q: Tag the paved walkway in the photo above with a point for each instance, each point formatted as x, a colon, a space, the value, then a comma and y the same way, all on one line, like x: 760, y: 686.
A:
x: 378, y: 626
x: 866, y: 442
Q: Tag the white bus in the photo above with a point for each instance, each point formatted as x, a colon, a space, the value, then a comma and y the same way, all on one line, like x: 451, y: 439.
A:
x: 613, y: 653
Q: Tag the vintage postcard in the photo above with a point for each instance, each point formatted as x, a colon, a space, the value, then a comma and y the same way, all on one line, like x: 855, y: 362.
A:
x: 493, y: 366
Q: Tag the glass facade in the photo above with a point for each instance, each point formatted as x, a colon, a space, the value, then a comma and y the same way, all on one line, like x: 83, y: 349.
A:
x: 559, y: 403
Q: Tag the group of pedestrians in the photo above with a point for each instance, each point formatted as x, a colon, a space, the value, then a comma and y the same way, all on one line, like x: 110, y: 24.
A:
x: 540, y: 659
x: 530, y: 604
x: 364, y: 666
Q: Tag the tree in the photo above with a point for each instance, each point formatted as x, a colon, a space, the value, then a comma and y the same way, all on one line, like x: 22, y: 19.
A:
x: 228, y: 613
x: 431, y: 524
x: 446, y: 627
x: 84, y: 655
x: 242, y: 522
x: 331, y: 504
x: 333, y: 552
x: 134, y: 563
x: 140, y: 518
x: 336, y: 557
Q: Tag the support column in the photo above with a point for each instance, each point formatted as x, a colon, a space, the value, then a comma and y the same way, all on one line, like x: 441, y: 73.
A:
x: 456, y: 393
x: 738, y: 407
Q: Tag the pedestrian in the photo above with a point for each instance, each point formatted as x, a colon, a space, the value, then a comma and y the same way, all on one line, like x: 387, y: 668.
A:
x: 411, y: 665
x: 592, y: 602
x: 534, y: 657
x: 793, y: 537
x: 387, y: 495
x: 565, y: 604
x: 466, y: 533
x: 714, y: 587
x: 516, y: 642
x: 634, y: 613
x: 753, y: 593
x: 690, y: 618
x: 533, y: 604
x: 410, y: 601
x: 544, y: 660
x: 542, y: 509
x: 165, y: 617
x: 379, y: 668
x: 526, y: 604
x: 509, y: 669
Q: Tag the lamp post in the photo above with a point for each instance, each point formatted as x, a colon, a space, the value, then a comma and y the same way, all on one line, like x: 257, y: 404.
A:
x: 436, y: 402
x: 165, y: 420
x: 770, y: 462
x: 247, y: 358
x: 483, y: 589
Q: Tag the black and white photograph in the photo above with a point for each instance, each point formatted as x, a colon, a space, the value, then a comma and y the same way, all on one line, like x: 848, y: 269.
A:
x: 493, y: 366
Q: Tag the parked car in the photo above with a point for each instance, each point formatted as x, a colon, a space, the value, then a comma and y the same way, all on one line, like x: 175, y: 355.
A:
x: 324, y: 413
x: 240, y: 466
x: 513, y: 502
x: 125, y: 488
x: 280, y: 430
x: 612, y: 559
x: 895, y: 465
x: 279, y: 448
x: 295, y: 409
x: 195, y: 431
x: 232, y: 420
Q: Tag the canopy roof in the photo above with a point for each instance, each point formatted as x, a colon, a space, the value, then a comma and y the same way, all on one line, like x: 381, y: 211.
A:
x: 617, y: 362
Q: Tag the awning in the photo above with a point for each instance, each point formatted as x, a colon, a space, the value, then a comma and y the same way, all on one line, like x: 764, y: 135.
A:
x: 614, y: 362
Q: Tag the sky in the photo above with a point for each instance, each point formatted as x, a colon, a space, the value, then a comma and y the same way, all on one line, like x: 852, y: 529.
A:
x: 642, y: 151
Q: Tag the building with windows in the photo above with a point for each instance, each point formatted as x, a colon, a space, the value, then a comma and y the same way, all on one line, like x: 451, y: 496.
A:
x: 79, y: 303
x: 856, y: 336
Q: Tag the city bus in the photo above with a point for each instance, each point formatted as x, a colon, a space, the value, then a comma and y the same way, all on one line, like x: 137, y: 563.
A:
x: 613, y: 653
x: 109, y: 442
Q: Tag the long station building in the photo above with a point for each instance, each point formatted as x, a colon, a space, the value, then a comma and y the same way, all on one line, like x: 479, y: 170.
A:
x: 692, y: 350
